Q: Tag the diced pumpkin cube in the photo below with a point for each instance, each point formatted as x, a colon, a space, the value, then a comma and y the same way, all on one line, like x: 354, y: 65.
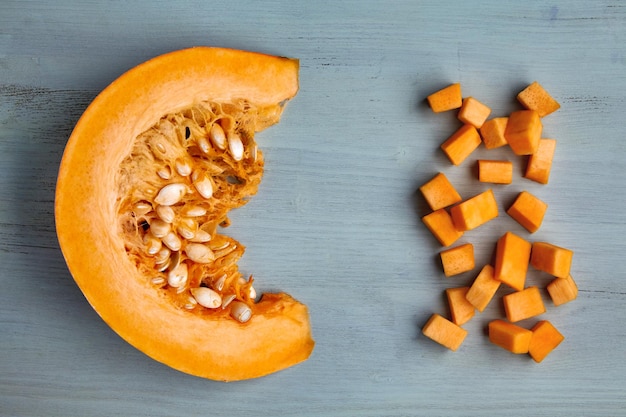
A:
x: 552, y: 259
x: 444, y: 332
x: 544, y: 340
x: 461, y: 144
x: 458, y: 259
x: 461, y: 310
x: 473, y: 112
x: 509, y: 336
x: 523, y: 131
x: 512, y: 257
x: 540, y: 163
x: 447, y: 98
x: 535, y: 97
x: 440, y: 224
x: 562, y: 290
x: 483, y: 288
x: 528, y: 211
x: 497, y: 172
x: 523, y: 304
x: 475, y: 211
x: 439, y: 192
x: 492, y: 132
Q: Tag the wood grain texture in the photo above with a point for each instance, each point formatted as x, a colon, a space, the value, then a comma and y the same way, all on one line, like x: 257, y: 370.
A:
x: 337, y: 219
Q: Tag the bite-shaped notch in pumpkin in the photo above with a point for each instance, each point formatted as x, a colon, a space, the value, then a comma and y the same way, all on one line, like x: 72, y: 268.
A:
x: 145, y: 185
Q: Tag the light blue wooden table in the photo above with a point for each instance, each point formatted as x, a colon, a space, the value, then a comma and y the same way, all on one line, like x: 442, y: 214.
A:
x: 337, y: 219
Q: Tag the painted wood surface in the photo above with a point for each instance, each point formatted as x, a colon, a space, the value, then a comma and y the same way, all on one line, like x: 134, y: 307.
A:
x: 337, y: 219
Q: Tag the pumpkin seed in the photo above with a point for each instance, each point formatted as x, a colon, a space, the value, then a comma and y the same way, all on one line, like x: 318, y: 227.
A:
x: 166, y: 213
x: 183, y: 167
x: 201, y: 236
x: 172, y: 241
x: 194, y: 211
x: 162, y: 256
x: 235, y: 146
x: 187, y: 228
x: 153, y: 244
x: 199, y: 253
x: 141, y: 208
x: 158, y: 280
x: 203, y: 144
x: 177, y: 277
x: 219, y: 283
x: 203, y: 185
x: 159, y: 228
x: 240, y: 311
x: 165, y: 172
x: 227, y: 299
x: 206, y: 297
x: 171, y: 194
x: 217, y: 136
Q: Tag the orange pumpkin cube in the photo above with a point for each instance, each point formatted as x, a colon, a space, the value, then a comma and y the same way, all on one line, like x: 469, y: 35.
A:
x: 540, y: 163
x: 461, y: 310
x: 562, y: 290
x: 497, y: 172
x: 512, y: 256
x: 535, y: 97
x: 528, y: 211
x: 475, y: 211
x: 523, y: 131
x: 458, y: 259
x: 440, y: 224
x: 483, y: 288
x: 509, y: 336
x: 444, y: 332
x: 461, y: 144
x: 552, y: 259
x: 544, y: 340
x: 492, y: 132
x: 473, y: 112
x: 523, y: 304
x: 439, y: 192
x: 447, y: 98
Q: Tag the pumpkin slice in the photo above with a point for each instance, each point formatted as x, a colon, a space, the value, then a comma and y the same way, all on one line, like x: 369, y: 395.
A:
x: 145, y: 185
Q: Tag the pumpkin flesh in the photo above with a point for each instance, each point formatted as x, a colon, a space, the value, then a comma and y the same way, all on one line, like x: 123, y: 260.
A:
x: 104, y: 174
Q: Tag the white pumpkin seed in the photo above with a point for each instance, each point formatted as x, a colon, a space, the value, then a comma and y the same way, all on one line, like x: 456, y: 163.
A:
x: 141, y: 208
x: 201, y: 236
x: 158, y: 280
x: 217, y: 136
x: 177, y: 277
x: 203, y: 144
x: 227, y: 299
x: 206, y: 297
x: 194, y: 211
x: 153, y: 244
x: 219, y: 283
x: 172, y: 241
x: 199, y: 253
x: 203, y: 185
x: 171, y: 194
x: 162, y: 256
x: 240, y: 311
x: 187, y: 228
x: 183, y: 167
x: 235, y: 146
x: 251, y: 292
x: 165, y: 172
x: 166, y: 213
x: 159, y: 228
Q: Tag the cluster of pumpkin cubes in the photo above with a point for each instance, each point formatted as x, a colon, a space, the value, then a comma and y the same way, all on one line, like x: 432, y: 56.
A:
x: 451, y: 217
